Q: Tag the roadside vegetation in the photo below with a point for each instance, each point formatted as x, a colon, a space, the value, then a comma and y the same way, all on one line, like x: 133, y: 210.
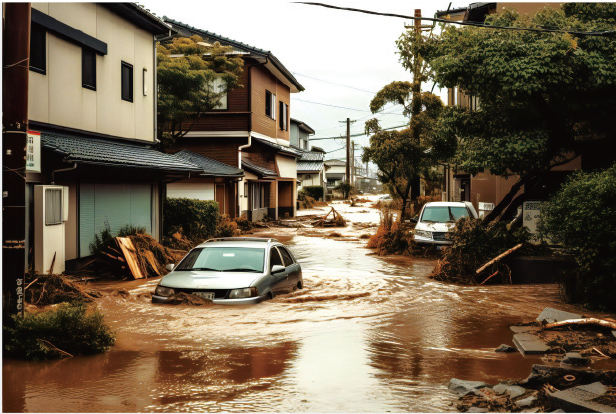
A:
x: 582, y: 218
x: 69, y: 330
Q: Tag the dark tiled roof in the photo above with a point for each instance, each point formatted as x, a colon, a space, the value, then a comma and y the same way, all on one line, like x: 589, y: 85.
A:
x: 311, y: 156
x: 260, y: 171
x: 335, y: 162
x: 310, y: 166
x: 209, y: 166
x: 285, y: 150
x: 239, y: 45
x: 114, y: 153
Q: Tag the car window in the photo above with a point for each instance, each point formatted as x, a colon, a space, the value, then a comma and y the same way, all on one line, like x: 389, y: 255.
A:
x: 224, y: 259
x: 288, y: 260
x: 275, y: 258
x: 443, y: 214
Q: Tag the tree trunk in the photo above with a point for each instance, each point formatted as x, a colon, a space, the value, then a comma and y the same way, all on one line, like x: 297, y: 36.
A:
x: 506, y: 200
x: 513, y: 206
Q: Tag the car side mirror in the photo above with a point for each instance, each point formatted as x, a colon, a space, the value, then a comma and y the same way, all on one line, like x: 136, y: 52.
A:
x: 415, y: 219
x: 170, y: 267
x: 277, y: 269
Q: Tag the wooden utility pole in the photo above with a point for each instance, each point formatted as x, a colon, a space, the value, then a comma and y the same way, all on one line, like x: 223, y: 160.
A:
x: 348, y: 151
x: 15, y: 73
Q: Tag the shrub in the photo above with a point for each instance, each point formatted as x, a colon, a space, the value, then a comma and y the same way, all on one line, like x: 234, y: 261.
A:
x: 473, y: 245
x: 194, y: 219
x: 307, y: 203
x: 71, y: 328
x: 582, y: 217
x: 345, y: 189
x: 391, y: 236
x: 106, y: 237
x: 314, y: 191
x: 243, y: 224
x: 226, y: 227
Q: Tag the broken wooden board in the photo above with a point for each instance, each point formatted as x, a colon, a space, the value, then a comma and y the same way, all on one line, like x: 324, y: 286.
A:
x: 130, y: 255
x: 580, y: 399
x: 554, y: 315
x: 152, y: 262
x: 529, y: 344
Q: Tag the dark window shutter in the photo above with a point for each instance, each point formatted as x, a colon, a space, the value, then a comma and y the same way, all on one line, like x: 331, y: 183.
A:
x: 38, y: 46
x: 127, y: 82
x: 88, y: 68
x: 268, y: 103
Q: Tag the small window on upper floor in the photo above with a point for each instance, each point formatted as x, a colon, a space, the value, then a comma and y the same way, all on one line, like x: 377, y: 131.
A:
x: 218, y: 86
x: 284, y: 113
x: 88, y: 68
x: 38, y: 49
x: 270, y: 104
x: 127, y: 82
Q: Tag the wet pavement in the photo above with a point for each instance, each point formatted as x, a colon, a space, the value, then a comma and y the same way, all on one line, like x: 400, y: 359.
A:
x: 366, y: 334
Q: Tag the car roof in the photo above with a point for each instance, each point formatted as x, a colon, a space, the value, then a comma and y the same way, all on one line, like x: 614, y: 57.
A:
x: 445, y: 204
x: 253, y: 242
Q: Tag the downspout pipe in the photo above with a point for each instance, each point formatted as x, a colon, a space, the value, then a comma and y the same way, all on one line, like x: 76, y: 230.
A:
x: 53, y: 173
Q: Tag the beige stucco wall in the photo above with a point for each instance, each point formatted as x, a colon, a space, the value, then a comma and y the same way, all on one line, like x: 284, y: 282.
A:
x: 287, y: 167
x: 58, y: 97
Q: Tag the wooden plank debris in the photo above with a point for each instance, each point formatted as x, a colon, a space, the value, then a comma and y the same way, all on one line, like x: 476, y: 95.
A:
x: 130, y: 255
x: 497, y: 258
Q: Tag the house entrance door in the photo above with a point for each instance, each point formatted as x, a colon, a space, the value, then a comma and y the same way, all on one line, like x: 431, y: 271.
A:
x: 220, y: 197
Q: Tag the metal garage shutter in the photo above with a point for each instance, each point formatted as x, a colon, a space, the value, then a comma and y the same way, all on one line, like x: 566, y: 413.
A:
x: 118, y: 205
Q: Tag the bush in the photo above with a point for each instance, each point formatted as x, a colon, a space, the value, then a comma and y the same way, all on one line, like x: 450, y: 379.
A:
x: 243, y: 224
x: 345, y: 189
x: 194, y: 219
x: 473, y: 245
x: 71, y: 328
x: 306, y: 203
x: 226, y: 227
x: 391, y: 237
x: 582, y: 217
x: 314, y: 191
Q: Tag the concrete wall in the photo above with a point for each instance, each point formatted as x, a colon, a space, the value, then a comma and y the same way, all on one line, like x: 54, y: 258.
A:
x: 58, y: 97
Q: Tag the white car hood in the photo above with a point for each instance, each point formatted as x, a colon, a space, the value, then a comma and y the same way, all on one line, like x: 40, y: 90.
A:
x: 438, y: 227
x: 184, y: 279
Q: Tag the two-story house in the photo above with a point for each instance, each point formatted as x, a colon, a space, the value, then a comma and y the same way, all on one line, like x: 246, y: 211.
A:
x: 250, y: 131
x: 91, y: 108
x: 310, y: 167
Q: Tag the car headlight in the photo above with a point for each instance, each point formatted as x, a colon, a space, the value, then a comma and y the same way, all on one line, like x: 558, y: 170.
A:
x: 243, y: 293
x: 164, y: 291
x: 423, y: 233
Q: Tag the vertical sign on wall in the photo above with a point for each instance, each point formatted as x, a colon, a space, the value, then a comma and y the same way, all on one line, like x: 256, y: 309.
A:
x: 531, y: 213
x: 33, y: 152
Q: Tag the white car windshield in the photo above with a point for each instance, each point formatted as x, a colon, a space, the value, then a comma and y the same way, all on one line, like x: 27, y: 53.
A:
x: 443, y: 214
x: 224, y: 259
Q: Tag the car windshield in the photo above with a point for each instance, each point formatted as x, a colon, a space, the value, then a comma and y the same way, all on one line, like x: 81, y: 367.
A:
x: 224, y: 259
x: 443, y: 214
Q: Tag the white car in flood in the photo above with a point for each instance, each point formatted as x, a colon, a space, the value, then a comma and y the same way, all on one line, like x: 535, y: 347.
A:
x: 438, y: 218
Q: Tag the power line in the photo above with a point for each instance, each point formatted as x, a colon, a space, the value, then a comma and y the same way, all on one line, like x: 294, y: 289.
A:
x: 487, y: 26
x: 343, y: 107
x: 358, y: 135
x: 333, y: 83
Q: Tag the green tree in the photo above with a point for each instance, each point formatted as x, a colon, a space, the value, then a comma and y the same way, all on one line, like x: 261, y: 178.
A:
x: 192, y: 79
x: 404, y: 157
x: 542, y: 96
x: 581, y: 216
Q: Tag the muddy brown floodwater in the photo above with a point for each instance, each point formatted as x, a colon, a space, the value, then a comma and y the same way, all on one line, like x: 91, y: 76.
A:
x: 366, y: 334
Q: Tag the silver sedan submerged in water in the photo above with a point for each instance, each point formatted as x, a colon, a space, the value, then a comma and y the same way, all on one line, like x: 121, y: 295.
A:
x: 233, y: 271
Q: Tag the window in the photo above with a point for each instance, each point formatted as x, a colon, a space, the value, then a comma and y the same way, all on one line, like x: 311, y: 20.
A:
x: 88, y: 68
x: 275, y: 258
x: 218, y: 86
x: 270, y: 104
x: 284, y: 112
x: 286, y: 256
x: 53, y: 206
x: 127, y: 82
x: 38, y: 46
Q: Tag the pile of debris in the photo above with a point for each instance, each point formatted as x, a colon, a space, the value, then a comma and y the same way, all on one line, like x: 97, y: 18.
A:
x: 566, y: 338
x: 335, y: 221
x: 49, y: 289
x: 137, y: 256
x: 546, y: 389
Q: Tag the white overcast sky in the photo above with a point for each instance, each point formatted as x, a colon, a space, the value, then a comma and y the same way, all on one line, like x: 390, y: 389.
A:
x: 339, y: 47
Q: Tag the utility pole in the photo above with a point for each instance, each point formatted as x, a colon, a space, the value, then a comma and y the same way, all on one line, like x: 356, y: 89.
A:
x: 348, y: 151
x: 15, y: 73
x: 353, y: 162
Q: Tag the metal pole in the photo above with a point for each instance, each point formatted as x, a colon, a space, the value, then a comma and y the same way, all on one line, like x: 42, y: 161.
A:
x: 348, y: 152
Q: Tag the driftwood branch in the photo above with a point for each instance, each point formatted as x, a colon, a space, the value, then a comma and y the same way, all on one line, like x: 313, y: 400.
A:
x: 586, y: 321
x: 31, y: 283
x: 497, y: 258
x: 55, y: 348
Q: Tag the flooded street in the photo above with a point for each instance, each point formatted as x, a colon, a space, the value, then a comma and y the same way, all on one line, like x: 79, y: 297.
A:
x: 366, y: 334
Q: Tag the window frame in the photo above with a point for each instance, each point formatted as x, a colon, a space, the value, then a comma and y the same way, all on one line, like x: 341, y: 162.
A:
x: 53, y: 206
x: 84, y: 52
x: 270, y: 103
x: 284, y: 115
x: 282, y: 250
x: 223, y: 105
x: 131, y: 82
x: 273, y: 250
x: 41, y: 32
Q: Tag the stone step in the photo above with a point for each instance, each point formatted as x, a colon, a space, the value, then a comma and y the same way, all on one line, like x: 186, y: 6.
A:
x: 530, y: 344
